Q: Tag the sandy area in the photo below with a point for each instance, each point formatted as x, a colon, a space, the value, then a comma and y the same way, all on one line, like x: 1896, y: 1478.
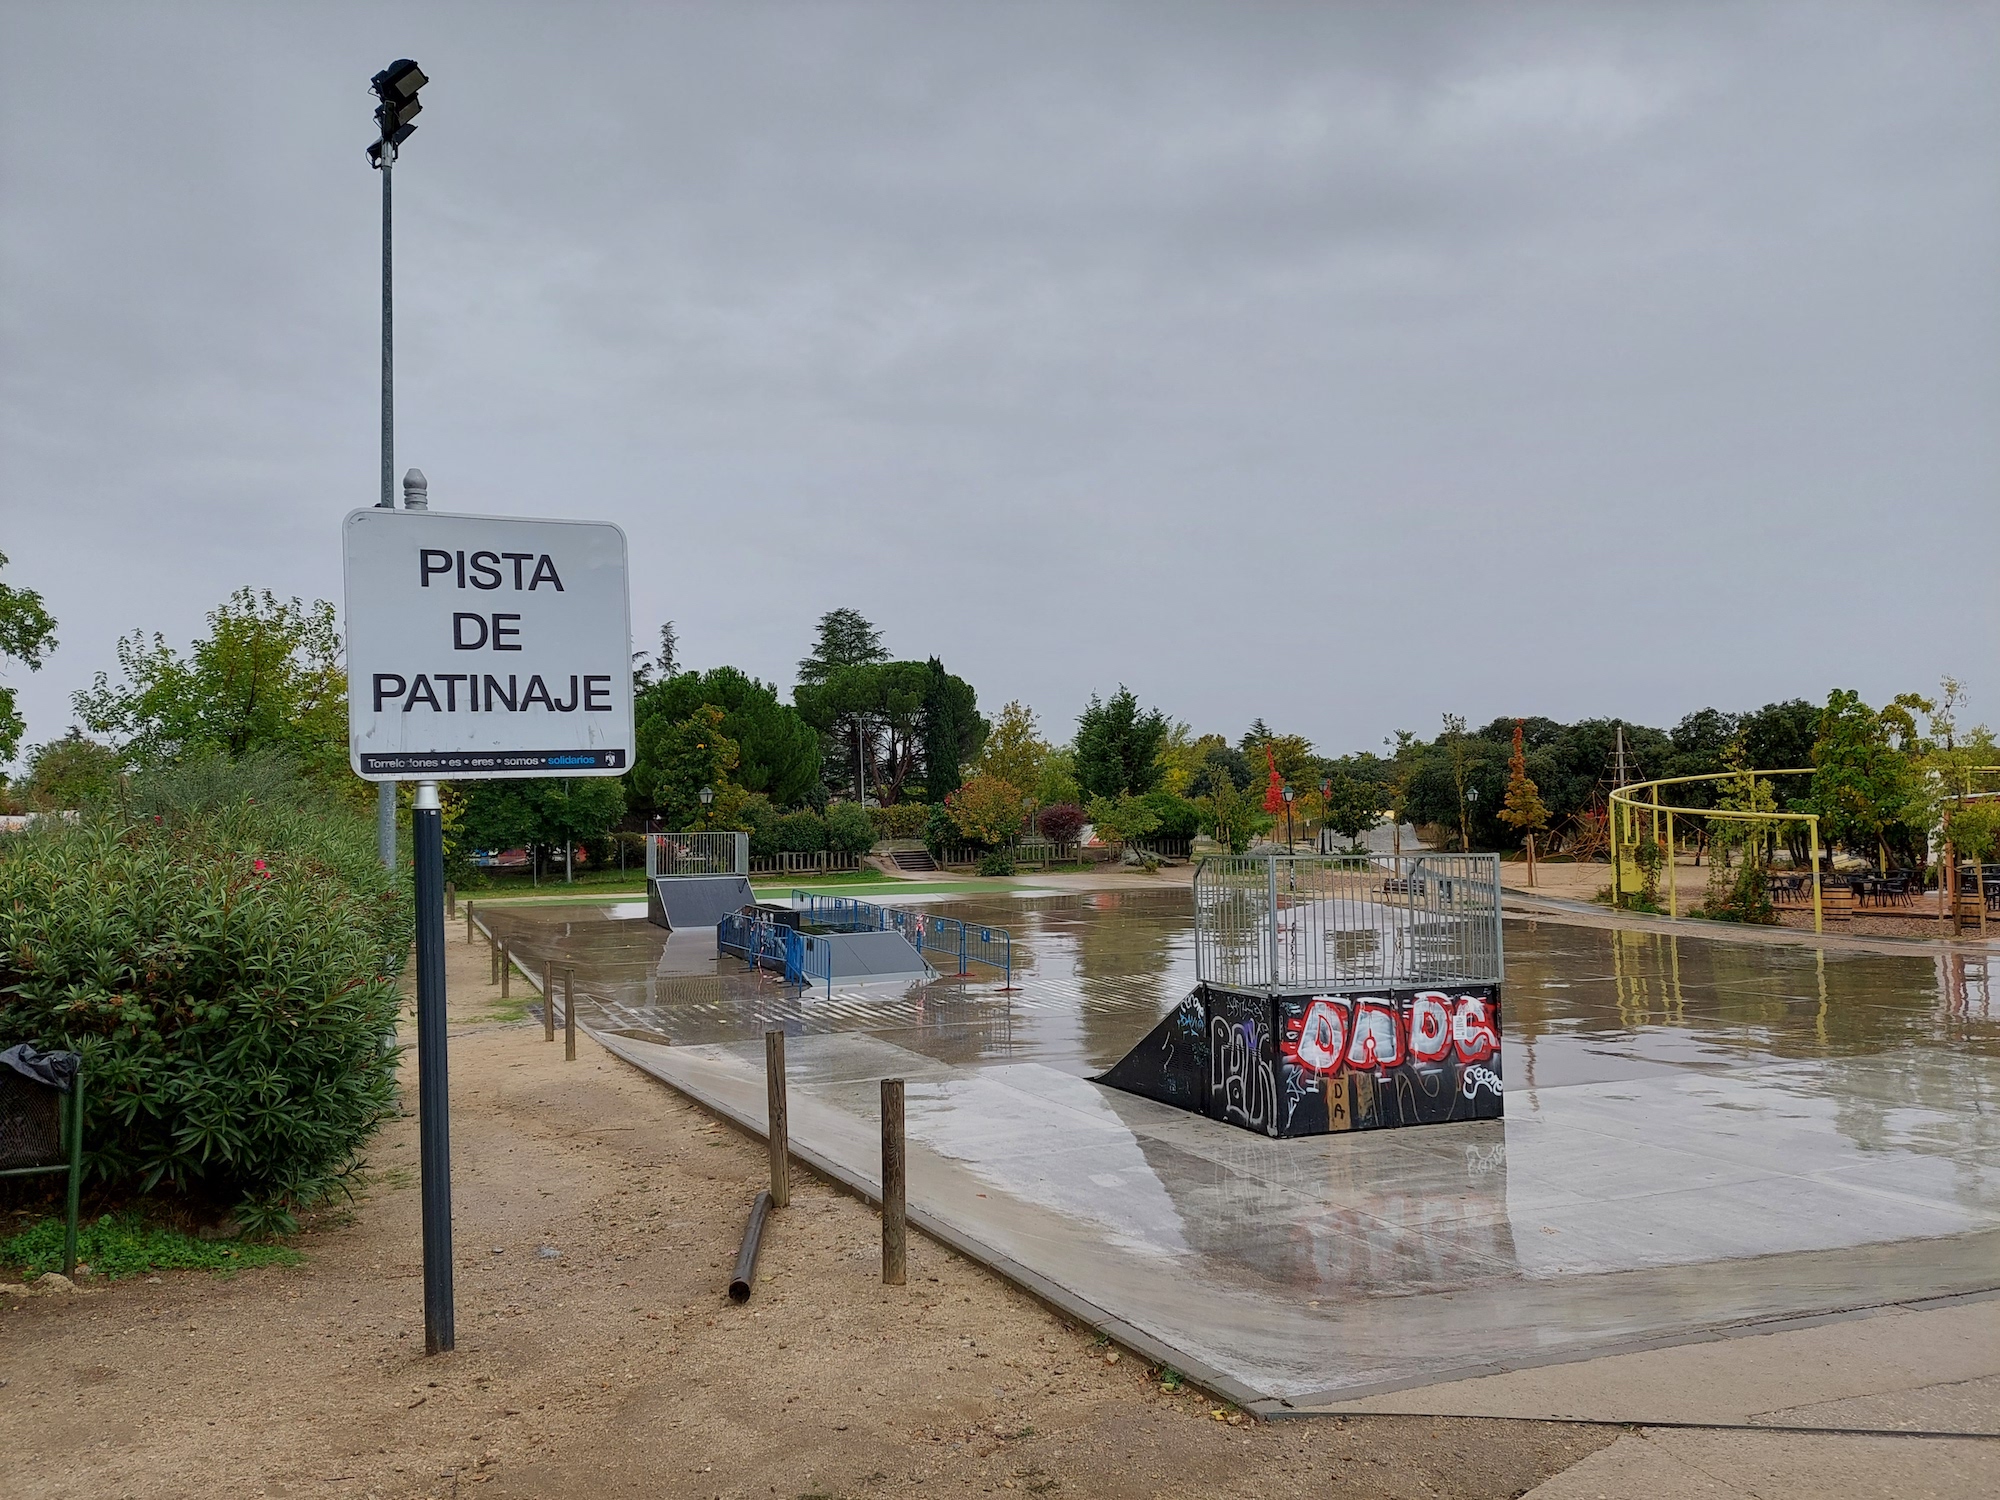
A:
x: 619, y: 1367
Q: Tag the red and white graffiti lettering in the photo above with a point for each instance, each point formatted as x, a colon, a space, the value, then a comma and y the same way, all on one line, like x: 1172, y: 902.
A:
x: 1369, y: 1033
x: 1377, y: 1041
x: 1322, y: 1038
x: 1430, y: 1026
x: 1472, y: 1032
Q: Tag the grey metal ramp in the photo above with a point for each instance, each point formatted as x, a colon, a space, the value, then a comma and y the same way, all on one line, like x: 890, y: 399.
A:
x: 865, y: 955
x: 677, y: 901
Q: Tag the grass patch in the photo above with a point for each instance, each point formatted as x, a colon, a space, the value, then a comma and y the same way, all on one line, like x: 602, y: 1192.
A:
x: 118, y: 1245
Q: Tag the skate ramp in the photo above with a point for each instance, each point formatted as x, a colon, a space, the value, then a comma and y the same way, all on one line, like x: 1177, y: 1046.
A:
x: 680, y: 901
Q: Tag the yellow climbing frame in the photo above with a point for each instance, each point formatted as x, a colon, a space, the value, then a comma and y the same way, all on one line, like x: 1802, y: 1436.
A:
x: 1641, y: 800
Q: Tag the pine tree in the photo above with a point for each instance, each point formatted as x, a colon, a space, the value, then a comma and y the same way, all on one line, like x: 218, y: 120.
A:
x: 845, y: 639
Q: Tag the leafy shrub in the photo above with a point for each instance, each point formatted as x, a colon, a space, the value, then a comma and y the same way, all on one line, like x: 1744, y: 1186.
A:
x: 1062, y: 823
x: 998, y: 862
x: 1127, y: 818
x: 849, y: 829
x: 800, y: 833
x: 228, y: 970
x: 906, y: 820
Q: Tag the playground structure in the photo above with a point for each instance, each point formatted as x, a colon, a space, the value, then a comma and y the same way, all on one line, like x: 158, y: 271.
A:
x: 1638, y: 816
x: 1335, y: 992
x: 819, y: 939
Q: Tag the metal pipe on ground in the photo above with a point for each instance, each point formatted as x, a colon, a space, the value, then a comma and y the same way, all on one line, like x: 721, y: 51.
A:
x: 746, y: 1258
x: 895, y: 1234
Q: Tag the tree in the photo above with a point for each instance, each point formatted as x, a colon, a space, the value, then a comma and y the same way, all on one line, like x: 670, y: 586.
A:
x: 1523, y: 810
x: 1117, y: 746
x: 1013, y: 751
x: 676, y: 759
x: 951, y: 730
x: 268, y: 676
x: 551, y: 813
x: 662, y: 664
x: 844, y: 639
x: 1230, y: 814
x: 27, y: 635
x: 1352, y: 807
x: 873, y: 717
x: 986, y: 811
x: 1061, y: 822
x: 1057, y: 782
x: 1123, y: 819
x: 1219, y: 761
x: 1460, y: 753
x: 72, y: 772
x: 778, y: 751
x: 1865, y: 787
x: 1182, y: 756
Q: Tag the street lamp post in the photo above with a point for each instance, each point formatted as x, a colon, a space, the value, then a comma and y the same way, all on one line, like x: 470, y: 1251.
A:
x: 1288, y: 795
x: 1472, y: 801
x: 707, y: 801
x: 396, y: 86
x: 1325, y: 809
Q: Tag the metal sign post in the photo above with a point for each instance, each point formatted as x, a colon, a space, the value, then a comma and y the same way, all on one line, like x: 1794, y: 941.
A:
x: 478, y: 648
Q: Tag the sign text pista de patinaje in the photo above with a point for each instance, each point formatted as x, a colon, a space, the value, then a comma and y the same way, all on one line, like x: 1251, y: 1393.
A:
x: 501, y: 650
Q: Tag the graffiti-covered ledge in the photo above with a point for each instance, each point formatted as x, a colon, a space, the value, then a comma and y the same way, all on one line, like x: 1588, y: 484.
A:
x: 1344, y: 992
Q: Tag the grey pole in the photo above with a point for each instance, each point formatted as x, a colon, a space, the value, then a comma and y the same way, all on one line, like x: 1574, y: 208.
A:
x: 416, y: 491
x: 433, y: 1082
x: 385, y: 792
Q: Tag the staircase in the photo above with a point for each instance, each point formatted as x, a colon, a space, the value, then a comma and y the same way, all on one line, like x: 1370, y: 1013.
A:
x: 913, y: 861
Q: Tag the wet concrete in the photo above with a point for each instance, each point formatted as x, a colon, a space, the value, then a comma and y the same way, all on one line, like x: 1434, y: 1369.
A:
x: 1699, y: 1134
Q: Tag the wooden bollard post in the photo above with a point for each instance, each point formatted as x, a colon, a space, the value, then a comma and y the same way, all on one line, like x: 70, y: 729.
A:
x: 493, y: 956
x: 779, y: 1128
x: 506, y: 971
x: 548, y: 1000
x: 569, y: 1014
x: 451, y: 898
x: 894, y: 1235
x: 468, y: 924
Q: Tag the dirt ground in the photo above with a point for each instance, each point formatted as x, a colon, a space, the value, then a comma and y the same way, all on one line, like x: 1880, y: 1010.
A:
x: 597, y: 1219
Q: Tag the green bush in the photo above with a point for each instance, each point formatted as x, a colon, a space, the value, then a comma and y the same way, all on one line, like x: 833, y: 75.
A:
x: 997, y: 862
x: 800, y: 833
x: 906, y: 820
x: 1178, y: 817
x: 940, y: 832
x: 227, y: 967
x: 849, y: 829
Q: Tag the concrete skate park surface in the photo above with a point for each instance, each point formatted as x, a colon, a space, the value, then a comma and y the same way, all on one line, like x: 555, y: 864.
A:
x: 1702, y: 1139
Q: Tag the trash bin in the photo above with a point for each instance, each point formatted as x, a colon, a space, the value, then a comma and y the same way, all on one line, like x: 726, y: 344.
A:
x: 41, y: 1124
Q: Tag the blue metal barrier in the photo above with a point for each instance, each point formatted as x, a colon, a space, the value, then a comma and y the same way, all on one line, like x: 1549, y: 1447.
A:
x: 926, y: 932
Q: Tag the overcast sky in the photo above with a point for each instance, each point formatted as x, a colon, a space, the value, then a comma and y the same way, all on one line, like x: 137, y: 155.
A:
x: 1339, y: 365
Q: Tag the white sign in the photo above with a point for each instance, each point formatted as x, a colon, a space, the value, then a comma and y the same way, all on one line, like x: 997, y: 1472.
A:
x: 482, y: 647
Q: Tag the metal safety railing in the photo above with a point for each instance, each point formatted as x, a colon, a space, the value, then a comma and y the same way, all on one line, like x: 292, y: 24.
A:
x: 1331, y: 921
x: 706, y: 853
x: 927, y: 932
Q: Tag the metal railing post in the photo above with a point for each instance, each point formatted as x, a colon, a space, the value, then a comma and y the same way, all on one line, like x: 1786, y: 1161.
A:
x: 1271, y: 923
x: 1812, y: 833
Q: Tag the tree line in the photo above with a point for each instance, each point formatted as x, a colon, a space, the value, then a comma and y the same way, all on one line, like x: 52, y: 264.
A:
x: 867, y: 744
